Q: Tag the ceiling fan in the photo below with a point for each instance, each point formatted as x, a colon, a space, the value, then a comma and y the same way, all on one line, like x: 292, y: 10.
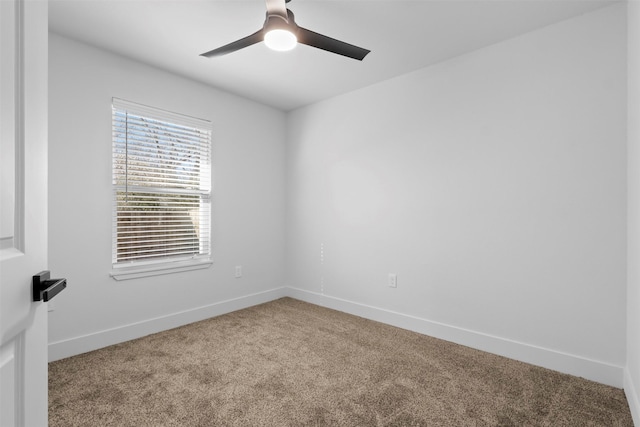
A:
x: 280, y: 32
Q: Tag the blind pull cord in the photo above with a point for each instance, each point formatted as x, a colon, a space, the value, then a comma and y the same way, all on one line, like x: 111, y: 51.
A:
x: 126, y: 156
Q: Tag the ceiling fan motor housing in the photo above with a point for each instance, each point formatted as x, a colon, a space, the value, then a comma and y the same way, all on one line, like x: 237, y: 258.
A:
x: 277, y: 22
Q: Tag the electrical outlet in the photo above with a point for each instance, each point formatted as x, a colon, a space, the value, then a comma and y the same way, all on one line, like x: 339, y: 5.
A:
x: 238, y: 271
x: 393, y: 280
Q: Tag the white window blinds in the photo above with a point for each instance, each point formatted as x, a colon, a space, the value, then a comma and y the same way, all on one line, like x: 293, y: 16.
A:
x: 161, y: 186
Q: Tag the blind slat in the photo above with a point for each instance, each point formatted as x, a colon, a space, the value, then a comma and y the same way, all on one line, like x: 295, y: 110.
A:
x: 148, y: 140
x: 153, y: 242
x: 145, y: 256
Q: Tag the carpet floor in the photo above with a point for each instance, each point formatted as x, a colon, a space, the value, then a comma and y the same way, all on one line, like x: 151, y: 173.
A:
x: 289, y: 363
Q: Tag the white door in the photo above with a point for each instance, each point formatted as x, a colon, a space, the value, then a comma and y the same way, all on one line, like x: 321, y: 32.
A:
x: 23, y: 211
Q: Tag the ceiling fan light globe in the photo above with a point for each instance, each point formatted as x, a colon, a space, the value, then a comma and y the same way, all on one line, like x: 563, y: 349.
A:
x: 280, y: 40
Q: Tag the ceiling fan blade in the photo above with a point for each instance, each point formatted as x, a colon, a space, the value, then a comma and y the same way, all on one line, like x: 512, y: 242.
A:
x: 277, y: 7
x: 254, y: 38
x: 320, y: 41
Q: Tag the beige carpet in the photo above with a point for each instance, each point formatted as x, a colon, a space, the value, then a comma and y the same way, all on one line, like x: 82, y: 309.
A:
x: 289, y: 363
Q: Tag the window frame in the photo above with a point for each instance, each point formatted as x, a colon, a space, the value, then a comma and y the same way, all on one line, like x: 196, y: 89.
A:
x: 136, y: 268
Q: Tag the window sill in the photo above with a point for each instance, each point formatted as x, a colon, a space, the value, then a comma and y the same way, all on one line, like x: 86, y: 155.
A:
x: 126, y: 273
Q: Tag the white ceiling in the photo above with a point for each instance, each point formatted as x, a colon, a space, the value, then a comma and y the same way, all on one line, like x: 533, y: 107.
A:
x: 402, y: 35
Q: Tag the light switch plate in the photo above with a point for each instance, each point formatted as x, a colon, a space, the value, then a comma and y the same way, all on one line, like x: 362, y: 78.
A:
x: 393, y: 280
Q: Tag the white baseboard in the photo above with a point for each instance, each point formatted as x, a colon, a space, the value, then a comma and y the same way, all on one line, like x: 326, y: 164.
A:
x: 78, y: 345
x: 570, y: 364
x: 631, y: 391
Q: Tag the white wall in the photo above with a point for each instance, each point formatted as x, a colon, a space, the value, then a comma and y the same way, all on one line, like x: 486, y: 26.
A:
x: 248, y: 202
x: 492, y: 184
x: 632, y: 377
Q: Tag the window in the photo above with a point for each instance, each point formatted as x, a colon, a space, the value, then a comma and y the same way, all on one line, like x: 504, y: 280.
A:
x: 161, y: 191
